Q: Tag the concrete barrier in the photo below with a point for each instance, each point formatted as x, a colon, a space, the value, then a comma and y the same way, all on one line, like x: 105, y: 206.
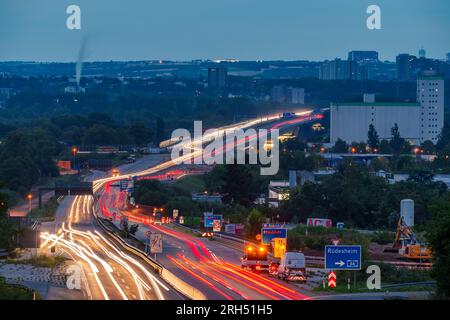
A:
x: 181, y: 286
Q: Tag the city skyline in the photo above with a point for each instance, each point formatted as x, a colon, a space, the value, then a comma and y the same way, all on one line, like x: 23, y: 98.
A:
x: 180, y: 31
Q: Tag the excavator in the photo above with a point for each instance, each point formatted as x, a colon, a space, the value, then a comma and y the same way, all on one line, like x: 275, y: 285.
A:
x: 408, y: 245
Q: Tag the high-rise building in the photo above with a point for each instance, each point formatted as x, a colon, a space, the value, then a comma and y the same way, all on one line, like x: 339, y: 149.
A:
x: 405, y: 66
x: 217, y: 77
x: 363, y: 56
x: 342, y: 70
x: 278, y: 94
x: 291, y: 95
x: 296, y: 95
x: 430, y: 95
x: 448, y: 57
x: 422, y: 53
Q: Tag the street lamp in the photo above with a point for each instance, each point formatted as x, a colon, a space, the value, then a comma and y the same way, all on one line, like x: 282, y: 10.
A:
x: 29, y: 197
x: 74, y: 152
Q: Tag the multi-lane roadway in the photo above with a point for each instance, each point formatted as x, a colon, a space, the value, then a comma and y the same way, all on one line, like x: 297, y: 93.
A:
x: 207, y: 265
x: 109, y: 272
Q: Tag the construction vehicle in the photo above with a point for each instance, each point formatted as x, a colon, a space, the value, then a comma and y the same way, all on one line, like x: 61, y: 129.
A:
x: 255, y: 259
x: 408, y: 245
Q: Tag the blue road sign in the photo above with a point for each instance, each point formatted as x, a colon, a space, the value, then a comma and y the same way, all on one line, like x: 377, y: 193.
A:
x: 343, y: 257
x: 268, y: 234
x: 209, y: 219
x: 126, y: 185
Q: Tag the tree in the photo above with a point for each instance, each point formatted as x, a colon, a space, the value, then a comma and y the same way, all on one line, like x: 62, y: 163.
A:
x: 421, y: 176
x: 438, y: 234
x: 140, y: 133
x: 128, y: 229
x: 385, y: 147
x: 373, y: 140
x: 340, y: 146
x: 397, y: 142
x: 444, y: 138
x: 6, y: 227
x: 160, y: 130
x: 428, y: 147
x: 237, y: 183
x: 255, y: 220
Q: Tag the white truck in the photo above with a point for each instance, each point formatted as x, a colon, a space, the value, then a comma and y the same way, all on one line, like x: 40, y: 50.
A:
x: 292, y: 267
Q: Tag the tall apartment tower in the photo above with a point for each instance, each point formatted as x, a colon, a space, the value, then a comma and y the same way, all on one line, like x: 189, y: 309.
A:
x: 217, y: 77
x: 430, y: 95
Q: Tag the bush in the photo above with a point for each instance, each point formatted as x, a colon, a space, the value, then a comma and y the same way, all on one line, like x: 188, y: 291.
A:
x: 383, y: 237
x: 48, y: 210
x: 317, y: 238
x: 8, y: 292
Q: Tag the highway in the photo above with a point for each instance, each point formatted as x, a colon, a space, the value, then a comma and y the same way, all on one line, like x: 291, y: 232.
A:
x: 207, y: 265
x: 210, y: 266
x: 109, y: 272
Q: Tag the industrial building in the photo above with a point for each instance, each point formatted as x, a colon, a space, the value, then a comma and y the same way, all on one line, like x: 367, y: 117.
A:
x: 417, y: 121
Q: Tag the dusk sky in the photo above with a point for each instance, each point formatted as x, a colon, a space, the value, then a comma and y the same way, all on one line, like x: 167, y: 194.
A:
x: 218, y: 29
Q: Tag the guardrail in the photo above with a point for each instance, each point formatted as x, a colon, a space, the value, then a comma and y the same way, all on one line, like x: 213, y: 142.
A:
x: 179, y: 285
x: 410, y: 284
x: 320, y: 261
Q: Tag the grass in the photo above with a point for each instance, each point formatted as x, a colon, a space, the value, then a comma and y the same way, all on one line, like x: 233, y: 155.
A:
x: 41, y: 261
x: 50, y: 182
x: 389, y: 275
x: 48, y: 210
x: 190, y: 183
x: 10, y: 292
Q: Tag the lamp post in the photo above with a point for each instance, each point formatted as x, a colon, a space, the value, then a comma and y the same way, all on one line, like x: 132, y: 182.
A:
x: 29, y: 197
x: 74, y: 153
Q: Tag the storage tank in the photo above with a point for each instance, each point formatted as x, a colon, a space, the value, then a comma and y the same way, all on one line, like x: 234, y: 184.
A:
x: 407, y: 211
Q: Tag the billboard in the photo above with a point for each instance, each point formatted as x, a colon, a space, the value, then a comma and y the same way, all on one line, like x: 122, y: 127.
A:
x: 230, y: 228
x: 64, y: 165
x: 217, y: 225
x: 239, y: 228
x: 279, y: 247
x: 319, y: 222
x: 209, y: 219
x: 268, y: 234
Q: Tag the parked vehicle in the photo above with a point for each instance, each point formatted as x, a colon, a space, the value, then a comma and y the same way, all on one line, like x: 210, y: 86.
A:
x: 292, y: 267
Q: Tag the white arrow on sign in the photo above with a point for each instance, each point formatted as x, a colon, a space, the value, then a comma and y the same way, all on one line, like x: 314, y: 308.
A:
x: 340, y: 263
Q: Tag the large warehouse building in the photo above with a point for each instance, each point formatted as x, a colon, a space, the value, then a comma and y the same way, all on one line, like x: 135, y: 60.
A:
x: 417, y: 122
